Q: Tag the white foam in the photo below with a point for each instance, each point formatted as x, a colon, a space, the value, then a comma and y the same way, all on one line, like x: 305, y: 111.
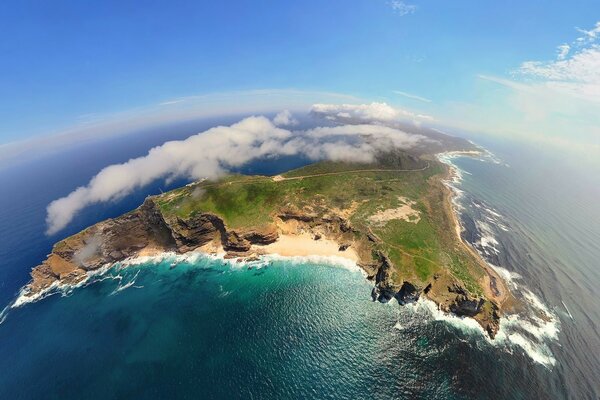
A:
x: 508, y: 276
x: 568, y: 312
x: 508, y: 336
x: 538, y: 353
x: 25, y: 296
x: 428, y: 308
x: 530, y: 332
x: 129, y: 284
x: 334, y: 261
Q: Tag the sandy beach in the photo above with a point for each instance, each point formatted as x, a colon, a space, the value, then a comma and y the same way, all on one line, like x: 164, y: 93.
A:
x: 303, y: 244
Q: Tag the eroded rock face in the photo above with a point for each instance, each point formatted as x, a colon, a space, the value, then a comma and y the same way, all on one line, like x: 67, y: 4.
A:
x: 466, y: 306
x: 452, y: 298
x: 146, y: 228
x: 195, y: 231
x: 384, y: 289
x: 235, y: 242
x: 408, y: 293
x: 116, y: 239
x: 106, y: 242
x: 265, y: 236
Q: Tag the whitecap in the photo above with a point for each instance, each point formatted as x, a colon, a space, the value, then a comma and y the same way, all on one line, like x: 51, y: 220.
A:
x: 25, y: 296
x: 127, y: 285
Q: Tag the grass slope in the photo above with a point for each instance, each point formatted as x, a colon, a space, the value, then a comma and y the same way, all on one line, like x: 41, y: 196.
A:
x: 417, y: 250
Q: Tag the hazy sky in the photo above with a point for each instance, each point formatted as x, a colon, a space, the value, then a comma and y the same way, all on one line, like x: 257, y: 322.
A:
x: 520, y: 68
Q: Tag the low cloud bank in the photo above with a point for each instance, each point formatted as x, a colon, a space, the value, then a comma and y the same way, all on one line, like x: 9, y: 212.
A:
x: 367, y: 113
x: 212, y: 153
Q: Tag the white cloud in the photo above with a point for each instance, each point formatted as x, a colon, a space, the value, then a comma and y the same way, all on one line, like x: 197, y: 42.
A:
x: 365, y: 112
x: 285, y: 118
x: 373, y: 112
x: 589, y: 35
x: 563, y: 51
x: 577, y: 75
x: 402, y: 8
x: 212, y: 153
x: 553, y: 102
x: 95, y: 126
x: 572, y: 73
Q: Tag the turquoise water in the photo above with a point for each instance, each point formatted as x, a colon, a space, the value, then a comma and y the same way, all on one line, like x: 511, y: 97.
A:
x: 291, y: 329
x: 211, y: 329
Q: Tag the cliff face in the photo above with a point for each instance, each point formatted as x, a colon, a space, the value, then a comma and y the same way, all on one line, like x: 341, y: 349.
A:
x: 106, y: 242
x: 146, y: 228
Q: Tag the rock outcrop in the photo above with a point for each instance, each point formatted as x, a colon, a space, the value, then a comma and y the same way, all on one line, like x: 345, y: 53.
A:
x: 147, y: 228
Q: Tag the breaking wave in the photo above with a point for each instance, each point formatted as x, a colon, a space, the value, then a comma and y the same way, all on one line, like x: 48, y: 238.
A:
x: 25, y: 297
x: 532, y: 329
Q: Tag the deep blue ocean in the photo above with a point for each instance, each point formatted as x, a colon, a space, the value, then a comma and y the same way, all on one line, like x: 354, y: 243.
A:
x: 283, y: 329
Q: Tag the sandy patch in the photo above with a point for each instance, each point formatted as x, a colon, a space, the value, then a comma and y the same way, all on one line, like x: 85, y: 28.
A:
x: 150, y: 251
x: 348, y: 212
x: 405, y: 212
x: 213, y: 247
x: 303, y: 244
x: 278, y: 178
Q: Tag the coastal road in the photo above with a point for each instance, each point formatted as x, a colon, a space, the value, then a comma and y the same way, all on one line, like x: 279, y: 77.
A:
x: 281, y: 178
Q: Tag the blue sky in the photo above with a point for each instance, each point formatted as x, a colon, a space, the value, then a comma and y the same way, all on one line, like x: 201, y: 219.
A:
x: 64, y: 63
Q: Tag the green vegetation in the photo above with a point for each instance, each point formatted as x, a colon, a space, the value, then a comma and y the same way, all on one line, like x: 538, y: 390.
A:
x: 418, y: 249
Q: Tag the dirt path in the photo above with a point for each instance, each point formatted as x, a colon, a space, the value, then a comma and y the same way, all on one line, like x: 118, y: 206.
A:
x: 281, y: 178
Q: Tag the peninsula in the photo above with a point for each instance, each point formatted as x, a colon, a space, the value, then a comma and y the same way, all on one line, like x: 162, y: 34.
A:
x: 392, y: 217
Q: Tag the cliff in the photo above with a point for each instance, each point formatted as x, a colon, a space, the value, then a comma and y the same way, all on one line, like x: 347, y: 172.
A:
x: 403, y: 244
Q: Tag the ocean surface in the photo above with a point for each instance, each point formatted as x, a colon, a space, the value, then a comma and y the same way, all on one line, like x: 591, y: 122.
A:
x: 200, y: 327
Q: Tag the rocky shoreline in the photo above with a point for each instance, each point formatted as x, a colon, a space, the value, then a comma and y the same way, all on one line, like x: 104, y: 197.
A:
x: 146, y: 227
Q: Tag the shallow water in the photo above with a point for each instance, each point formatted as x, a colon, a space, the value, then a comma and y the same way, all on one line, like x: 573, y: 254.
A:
x: 302, y: 329
x: 224, y: 330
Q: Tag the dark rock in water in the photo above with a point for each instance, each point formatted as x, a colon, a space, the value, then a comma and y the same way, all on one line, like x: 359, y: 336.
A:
x: 374, y: 293
x: 493, y: 325
x: 466, y: 306
x: 383, y: 295
x: 408, y: 293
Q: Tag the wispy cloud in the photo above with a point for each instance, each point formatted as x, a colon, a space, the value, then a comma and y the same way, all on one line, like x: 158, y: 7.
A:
x: 210, y: 154
x: 412, y: 96
x: 589, y: 35
x: 551, y: 102
x: 167, y: 103
x: 573, y: 73
x: 554, y: 101
x: 401, y: 8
